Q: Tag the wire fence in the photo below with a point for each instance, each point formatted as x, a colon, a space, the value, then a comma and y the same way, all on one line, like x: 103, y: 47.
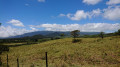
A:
x: 18, y: 64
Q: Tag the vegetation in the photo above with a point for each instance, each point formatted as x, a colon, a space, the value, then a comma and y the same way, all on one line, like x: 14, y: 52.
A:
x: 90, y: 52
x: 82, y: 51
x: 75, y: 33
x: 118, y: 32
x: 62, y: 34
x: 102, y: 35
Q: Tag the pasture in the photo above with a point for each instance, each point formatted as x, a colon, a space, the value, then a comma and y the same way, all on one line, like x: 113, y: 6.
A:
x: 89, y: 52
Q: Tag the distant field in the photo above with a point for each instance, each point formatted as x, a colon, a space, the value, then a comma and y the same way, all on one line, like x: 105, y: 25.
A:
x: 90, y: 52
x: 12, y: 43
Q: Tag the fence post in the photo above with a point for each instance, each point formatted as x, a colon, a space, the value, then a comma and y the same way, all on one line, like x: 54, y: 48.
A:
x: 0, y: 61
x: 46, y: 59
x: 7, y: 61
x: 17, y: 62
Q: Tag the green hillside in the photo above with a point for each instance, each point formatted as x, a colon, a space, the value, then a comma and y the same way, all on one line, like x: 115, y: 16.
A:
x: 90, y: 52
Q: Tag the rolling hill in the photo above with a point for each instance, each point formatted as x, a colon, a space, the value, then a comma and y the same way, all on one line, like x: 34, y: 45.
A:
x: 90, y: 52
x: 51, y: 34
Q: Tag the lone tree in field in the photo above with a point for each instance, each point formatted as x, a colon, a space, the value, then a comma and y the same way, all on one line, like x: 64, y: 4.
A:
x: 118, y: 32
x: 102, y: 35
x: 75, y: 33
x: 62, y: 34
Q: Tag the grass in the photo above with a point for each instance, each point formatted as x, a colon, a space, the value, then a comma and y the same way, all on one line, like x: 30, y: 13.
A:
x: 12, y: 43
x: 90, y: 52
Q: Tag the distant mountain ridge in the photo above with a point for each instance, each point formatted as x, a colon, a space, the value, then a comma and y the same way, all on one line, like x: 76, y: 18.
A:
x: 51, y: 34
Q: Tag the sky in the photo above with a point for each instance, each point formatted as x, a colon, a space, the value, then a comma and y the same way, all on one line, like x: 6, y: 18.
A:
x: 24, y: 16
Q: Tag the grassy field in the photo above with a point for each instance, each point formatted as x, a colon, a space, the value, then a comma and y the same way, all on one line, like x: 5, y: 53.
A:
x: 12, y: 43
x: 90, y: 52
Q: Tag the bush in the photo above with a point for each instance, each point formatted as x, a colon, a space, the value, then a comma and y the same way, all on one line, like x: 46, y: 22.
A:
x: 76, y: 40
x: 57, y: 37
x: 52, y: 38
x: 32, y: 65
x: 3, y: 48
x: 43, y: 40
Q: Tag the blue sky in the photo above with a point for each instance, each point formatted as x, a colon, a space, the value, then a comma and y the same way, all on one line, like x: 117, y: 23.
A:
x: 23, y: 16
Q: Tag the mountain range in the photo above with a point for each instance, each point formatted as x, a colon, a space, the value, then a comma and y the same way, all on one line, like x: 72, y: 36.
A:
x: 51, y: 34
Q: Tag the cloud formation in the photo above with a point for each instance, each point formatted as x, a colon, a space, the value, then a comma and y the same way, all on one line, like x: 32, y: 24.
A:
x: 112, y: 13
x: 113, y: 2
x: 91, y: 2
x: 7, y: 31
x: 41, y: 0
x: 62, y: 15
x: 81, y: 14
x: 96, y: 12
x: 10, y: 31
x: 90, y: 27
x: 27, y: 5
x: 16, y: 23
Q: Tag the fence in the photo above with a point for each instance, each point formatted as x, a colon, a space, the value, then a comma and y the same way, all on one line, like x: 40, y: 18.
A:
x: 46, y: 58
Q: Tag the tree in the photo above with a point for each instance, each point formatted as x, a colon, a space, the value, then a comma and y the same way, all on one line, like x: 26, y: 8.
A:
x: 118, y: 32
x: 102, y: 35
x: 75, y: 33
x: 62, y: 34
x: 0, y: 24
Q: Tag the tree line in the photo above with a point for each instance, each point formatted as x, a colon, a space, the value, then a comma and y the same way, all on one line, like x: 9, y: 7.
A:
x: 76, y: 33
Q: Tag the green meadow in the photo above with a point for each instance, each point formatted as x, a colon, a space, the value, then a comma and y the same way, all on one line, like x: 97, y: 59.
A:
x: 89, y: 52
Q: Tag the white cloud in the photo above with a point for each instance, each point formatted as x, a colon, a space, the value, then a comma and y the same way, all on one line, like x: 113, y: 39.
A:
x: 95, y: 13
x: 62, y: 15
x: 26, y: 4
x: 113, y: 2
x: 112, y: 13
x: 16, y: 23
x: 41, y: 0
x: 90, y: 27
x: 91, y: 2
x: 81, y: 14
x: 33, y: 29
x: 9, y: 31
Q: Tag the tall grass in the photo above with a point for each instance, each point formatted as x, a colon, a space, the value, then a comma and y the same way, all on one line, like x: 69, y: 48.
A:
x: 90, y: 52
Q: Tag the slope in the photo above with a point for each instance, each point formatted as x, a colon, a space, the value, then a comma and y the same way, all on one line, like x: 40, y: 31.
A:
x: 90, y: 52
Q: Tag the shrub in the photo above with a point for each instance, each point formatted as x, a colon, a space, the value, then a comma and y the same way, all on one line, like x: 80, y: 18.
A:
x: 76, y: 40
x: 32, y: 65
x: 57, y: 38
x: 52, y: 38
x: 101, y: 35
